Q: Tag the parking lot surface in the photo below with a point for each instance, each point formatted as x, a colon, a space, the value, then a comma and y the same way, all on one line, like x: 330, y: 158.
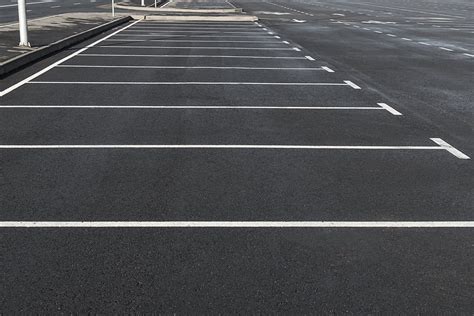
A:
x: 276, y: 166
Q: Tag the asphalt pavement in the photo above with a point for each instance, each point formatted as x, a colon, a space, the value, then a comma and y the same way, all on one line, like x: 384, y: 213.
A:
x: 301, y: 164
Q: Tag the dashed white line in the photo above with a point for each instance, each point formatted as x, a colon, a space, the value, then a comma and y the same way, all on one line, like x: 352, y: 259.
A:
x: 309, y: 58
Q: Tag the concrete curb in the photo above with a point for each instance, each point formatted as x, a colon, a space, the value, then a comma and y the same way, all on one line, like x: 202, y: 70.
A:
x: 17, y: 63
x: 172, y: 10
x: 226, y: 18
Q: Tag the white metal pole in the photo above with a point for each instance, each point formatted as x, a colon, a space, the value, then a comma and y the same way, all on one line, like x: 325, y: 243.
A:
x: 22, y: 23
x: 155, y: 3
x: 143, y: 3
x: 113, y: 9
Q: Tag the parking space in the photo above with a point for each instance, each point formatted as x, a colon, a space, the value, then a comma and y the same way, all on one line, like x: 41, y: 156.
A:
x: 221, y: 126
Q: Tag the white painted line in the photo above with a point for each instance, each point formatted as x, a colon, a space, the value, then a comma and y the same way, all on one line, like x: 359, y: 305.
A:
x: 406, y: 39
x: 391, y: 35
x: 39, y: 73
x: 201, y: 83
x: 276, y: 36
x: 423, y: 43
x: 237, y: 224
x: 193, y: 67
x: 296, y: 49
x: 55, y: 6
x: 190, y: 56
x: 450, y: 148
x: 446, y: 49
x: 143, y: 28
x: 468, y: 55
x: 351, y: 84
x: 263, y: 36
x: 202, y: 146
x: 197, y: 107
x: 378, y: 32
x: 286, y: 42
x: 133, y: 32
x: 309, y: 58
x: 327, y: 69
x: 389, y: 108
x: 196, y: 47
x: 191, y: 41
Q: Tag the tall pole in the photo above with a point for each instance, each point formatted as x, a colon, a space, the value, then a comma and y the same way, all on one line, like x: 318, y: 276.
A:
x: 155, y: 3
x: 113, y: 9
x: 22, y: 23
x: 143, y: 3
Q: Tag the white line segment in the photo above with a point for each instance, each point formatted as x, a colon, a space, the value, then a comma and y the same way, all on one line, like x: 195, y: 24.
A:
x: 237, y: 224
x: 387, y: 107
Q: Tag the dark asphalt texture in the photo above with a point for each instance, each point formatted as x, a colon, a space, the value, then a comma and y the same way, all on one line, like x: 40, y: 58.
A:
x: 259, y: 270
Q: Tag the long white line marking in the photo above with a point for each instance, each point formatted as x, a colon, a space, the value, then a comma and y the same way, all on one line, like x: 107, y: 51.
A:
x: 39, y: 73
x: 199, y: 32
x: 389, y: 108
x: 143, y: 27
x: 468, y: 55
x: 192, y: 36
x: 309, y: 58
x: 193, y: 83
x: 191, y: 56
x: 197, y: 107
x: 190, y: 41
x: 197, y: 47
x: 238, y: 224
x: 286, y: 42
x: 450, y: 148
x: 296, y: 49
x: 28, y: 3
x: 442, y: 146
x: 351, y: 84
x: 191, y: 67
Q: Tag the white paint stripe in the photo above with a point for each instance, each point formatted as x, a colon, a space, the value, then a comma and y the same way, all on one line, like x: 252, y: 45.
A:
x: 143, y: 27
x: 389, y: 108
x: 450, y: 148
x: 406, y: 39
x: 264, y: 36
x: 327, y: 69
x: 148, y: 146
x: 423, y: 43
x: 190, y: 56
x: 309, y: 58
x: 446, y: 49
x: 277, y: 37
x: 198, y: 107
x: 391, y: 35
x: 200, y: 83
x: 378, y: 32
x: 237, y: 224
x: 191, y: 41
x: 296, y: 49
x: 286, y: 42
x: 39, y: 73
x: 200, y: 32
x: 468, y: 55
x: 191, y: 67
x: 196, y: 47
x: 351, y: 84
